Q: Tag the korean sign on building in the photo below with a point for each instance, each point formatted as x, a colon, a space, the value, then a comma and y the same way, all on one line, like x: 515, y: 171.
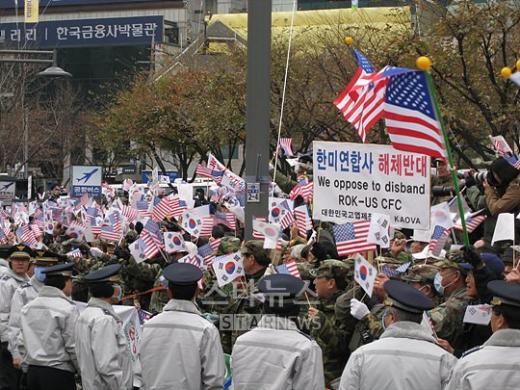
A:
x: 351, y: 181
x: 10, y: 4
x: 84, y: 32
x: 86, y: 179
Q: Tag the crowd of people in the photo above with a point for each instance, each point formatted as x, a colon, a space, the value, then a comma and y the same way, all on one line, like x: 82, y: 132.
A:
x: 292, y: 317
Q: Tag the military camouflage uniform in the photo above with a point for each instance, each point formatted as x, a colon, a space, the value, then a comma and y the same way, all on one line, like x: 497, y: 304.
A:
x: 447, y: 317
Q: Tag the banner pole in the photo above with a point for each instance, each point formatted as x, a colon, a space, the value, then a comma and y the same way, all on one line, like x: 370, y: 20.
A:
x: 453, y: 172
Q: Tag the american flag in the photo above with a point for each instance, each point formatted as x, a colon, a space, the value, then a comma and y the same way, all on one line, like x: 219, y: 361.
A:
x: 76, y: 253
x: 392, y: 272
x: 225, y: 218
x: 151, y: 233
x: 143, y: 208
x: 256, y: 234
x: 206, y: 252
x: 196, y: 260
x: 438, y: 239
x: 472, y: 222
x: 203, y: 171
x: 36, y: 230
x: 206, y: 228
x: 215, y: 244
x: 304, y: 190
x: 3, y: 236
x: 162, y: 208
x: 290, y: 267
x: 109, y: 233
x: 501, y: 146
x: 362, y: 106
x: 286, y: 145
x: 129, y: 212
x: 409, y: 112
x: 302, y: 220
x: 25, y: 235
x: 513, y: 160
x: 351, y: 237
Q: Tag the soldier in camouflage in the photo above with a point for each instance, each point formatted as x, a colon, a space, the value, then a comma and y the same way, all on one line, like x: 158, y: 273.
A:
x: 447, y: 317
x: 330, y: 283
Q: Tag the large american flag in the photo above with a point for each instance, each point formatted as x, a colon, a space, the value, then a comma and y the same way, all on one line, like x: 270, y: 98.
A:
x: 438, y: 239
x: 362, y: 106
x: 351, y: 237
x: 409, y: 112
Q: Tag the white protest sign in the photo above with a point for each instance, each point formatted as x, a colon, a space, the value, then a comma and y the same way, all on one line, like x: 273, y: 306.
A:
x: 7, y: 191
x: 477, y: 314
x: 352, y: 181
x: 504, y: 228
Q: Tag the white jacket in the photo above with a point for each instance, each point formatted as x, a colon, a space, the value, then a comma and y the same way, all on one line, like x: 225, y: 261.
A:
x: 494, y: 365
x: 48, y: 330
x: 21, y: 297
x: 277, y: 356
x: 101, y: 347
x: 181, y: 350
x: 404, y: 358
x: 9, y: 282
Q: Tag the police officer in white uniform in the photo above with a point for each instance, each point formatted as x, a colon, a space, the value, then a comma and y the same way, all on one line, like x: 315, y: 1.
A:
x: 48, y: 332
x: 179, y: 348
x: 21, y: 297
x: 276, y: 355
x: 19, y: 262
x: 496, y: 364
x: 104, y: 358
x: 406, y: 357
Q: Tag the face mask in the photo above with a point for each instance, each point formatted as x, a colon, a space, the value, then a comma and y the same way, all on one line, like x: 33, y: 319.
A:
x: 39, y: 275
x: 119, y: 297
x: 437, y: 283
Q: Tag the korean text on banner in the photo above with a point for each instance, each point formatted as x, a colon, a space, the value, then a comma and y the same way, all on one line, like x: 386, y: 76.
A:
x: 352, y: 181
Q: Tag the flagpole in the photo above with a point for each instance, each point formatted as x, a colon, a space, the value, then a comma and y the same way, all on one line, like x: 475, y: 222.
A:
x: 424, y: 64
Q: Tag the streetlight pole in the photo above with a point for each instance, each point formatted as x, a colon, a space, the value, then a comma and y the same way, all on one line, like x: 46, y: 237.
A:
x: 258, y: 110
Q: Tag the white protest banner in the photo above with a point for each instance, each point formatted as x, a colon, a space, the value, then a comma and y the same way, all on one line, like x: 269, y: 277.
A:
x: 352, y: 181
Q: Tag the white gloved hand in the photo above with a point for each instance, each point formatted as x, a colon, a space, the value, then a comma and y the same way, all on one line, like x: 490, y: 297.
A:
x: 358, y: 309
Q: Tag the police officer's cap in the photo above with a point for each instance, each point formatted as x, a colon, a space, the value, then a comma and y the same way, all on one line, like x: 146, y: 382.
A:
x: 504, y: 293
x: 281, y: 284
x: 60, y: 269
x: 46, y: 258
x: 405, y: 297
x: 20, y: 252
x: 110, y: 273
x: 182, y: 274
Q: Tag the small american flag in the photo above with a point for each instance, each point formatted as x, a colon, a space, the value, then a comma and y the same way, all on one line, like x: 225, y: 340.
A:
x: 290, y: 267
x: 109, y: 233
x: 304, y: 190
x: 302, y: 220
x: 351, y: 237
x: 286, y: 145
x: 130, y: 213
x: 438, y: 239
x: 162, y: 208
x: 409, y: 112
x: 76, y: 253
x: 143, y: 208
x: 25, y: 235
x: 192, y: 259
x: 206, y: 229
x: 472, y: 223
x: 392, y: 272
x: 226, y: 218
x: 513, y: 160
x: 206, y: 252
x: 152, y: 233
x: 215, y: 244
x: 209, y: 173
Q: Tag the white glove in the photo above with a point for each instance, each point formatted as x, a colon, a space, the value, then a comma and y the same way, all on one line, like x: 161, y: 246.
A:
x: 358, y: 309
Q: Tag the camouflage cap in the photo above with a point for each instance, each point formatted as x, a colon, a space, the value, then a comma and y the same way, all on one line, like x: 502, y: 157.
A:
x: 399, y: 235
x: 423, y: 273
x: 334, y: 269
x: 256, y: 248
x: 229, y: 245
x: 446, y: 264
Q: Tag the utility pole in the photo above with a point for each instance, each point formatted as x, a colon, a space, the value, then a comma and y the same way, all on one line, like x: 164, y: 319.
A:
x: 258, y: 111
